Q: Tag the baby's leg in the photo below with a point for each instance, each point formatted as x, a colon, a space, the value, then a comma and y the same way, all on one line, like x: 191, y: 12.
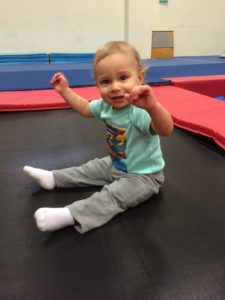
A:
x: 126, y: 191
x: 95, y: 172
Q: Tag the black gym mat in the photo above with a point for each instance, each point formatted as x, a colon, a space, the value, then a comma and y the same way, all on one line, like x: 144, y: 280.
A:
x: 170, y: 247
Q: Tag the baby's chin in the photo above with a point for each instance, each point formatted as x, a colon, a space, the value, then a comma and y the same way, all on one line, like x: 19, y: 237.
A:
x: 117, y: 102
x: 120, y: 106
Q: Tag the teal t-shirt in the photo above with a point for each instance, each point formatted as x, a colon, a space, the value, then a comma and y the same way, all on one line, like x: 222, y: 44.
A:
x: 133, y: 147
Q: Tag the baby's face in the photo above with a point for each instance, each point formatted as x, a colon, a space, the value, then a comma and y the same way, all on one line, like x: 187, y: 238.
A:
x: 117, y: 75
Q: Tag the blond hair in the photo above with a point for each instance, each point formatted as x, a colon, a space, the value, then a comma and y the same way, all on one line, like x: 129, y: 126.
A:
x: 117, y: 47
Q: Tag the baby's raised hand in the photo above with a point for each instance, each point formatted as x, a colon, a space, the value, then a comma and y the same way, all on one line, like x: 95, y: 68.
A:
x: 142, y: 96
x: 59, y: 82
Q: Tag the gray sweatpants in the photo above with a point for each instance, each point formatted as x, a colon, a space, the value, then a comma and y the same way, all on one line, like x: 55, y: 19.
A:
x: 119, y: 192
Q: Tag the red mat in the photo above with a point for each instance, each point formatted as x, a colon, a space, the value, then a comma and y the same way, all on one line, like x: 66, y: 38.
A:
x: 40, y: 99
x: 212, y: 86
x: 195, y: 112
x: 190, y: 110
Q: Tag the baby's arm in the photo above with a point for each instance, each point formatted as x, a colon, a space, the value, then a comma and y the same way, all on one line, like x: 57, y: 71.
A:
x: 143, y: 97
x: 78, y: 103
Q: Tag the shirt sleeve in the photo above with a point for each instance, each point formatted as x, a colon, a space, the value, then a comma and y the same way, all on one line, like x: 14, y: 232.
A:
x: 96, y: 108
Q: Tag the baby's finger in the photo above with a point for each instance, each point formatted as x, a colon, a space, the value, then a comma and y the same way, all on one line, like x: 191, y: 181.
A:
x: 56, y: 78
x: 133, y: 96
x: 145, y: 90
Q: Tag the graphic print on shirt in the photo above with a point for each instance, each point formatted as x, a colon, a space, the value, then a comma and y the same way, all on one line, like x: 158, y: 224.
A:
x: 117, y: 141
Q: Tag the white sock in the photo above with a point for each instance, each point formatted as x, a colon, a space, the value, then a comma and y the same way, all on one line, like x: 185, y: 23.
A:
x: 50, y: 219
x: 44, y: 178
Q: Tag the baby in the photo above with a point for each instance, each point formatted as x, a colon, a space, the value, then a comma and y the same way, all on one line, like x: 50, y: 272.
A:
x: 134, y: 120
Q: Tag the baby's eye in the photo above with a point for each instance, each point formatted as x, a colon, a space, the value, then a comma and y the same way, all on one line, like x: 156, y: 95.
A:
x: 104, y: 82
x: 123, y: 77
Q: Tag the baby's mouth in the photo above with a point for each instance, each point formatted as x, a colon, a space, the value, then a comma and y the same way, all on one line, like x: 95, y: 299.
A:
x: 115, y: 98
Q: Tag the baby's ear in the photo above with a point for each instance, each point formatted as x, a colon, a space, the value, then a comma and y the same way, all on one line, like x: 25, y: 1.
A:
x: 142, y: 75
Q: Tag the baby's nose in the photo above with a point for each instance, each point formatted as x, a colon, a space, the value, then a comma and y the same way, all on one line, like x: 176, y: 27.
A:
x: 115, y: 86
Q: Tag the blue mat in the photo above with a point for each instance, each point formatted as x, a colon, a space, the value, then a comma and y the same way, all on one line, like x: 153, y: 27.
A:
x: 40, y: 58
x: 71, y: 57
x: 221, y: 98
x: 37, y: 76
